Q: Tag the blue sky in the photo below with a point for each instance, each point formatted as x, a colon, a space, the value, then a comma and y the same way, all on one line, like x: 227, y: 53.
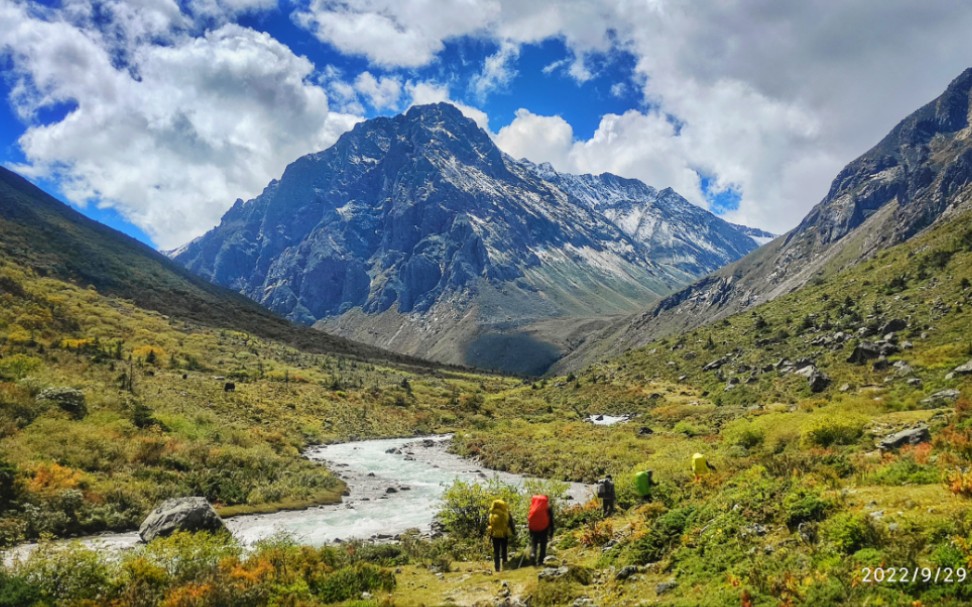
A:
x: 154, y: 116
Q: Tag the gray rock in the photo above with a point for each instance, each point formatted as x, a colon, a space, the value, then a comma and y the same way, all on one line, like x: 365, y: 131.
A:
x: 965, y: 369
x: 863, y: 352
x: 712, y: 366
x: 69, y: 400
x: 663, y: 587
x: 914, y: 382
x: 940, y: 397
x: 818, y: 381
x: 550, y: 561
x: 893, y: 326
x: 912, y: 436
x: 553, y: 573
x: 626, y: 572
x: 806, y: 371
x: 902, y: 368
x: 180, y: 514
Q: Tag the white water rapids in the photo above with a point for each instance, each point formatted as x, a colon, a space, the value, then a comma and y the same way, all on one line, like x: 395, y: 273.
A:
x: 417, y: 469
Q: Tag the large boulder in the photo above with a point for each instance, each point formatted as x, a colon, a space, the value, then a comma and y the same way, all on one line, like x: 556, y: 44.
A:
x: 863, y: 352
x: 180, y: 514
x: 818, y: 381
x: 911, y: 436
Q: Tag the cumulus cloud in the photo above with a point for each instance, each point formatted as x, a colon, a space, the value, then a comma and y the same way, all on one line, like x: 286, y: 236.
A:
x: 381, y: 93
x: 771, y: 99
x: 395, y: 33
x: 538, y: 138
x: 171, y: 138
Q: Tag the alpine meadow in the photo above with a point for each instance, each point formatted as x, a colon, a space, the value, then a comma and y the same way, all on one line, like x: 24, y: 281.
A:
x: 482, y: 303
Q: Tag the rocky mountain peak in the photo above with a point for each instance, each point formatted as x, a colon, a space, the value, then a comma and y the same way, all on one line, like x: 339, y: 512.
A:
x: 421, y: 220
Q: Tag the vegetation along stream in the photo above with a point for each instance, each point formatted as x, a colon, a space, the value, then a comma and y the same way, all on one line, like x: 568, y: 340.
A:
x: 394, y: 484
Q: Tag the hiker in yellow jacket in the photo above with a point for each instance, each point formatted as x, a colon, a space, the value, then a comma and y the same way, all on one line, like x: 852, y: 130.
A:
x: 700, y: 466
x: 500, y: 530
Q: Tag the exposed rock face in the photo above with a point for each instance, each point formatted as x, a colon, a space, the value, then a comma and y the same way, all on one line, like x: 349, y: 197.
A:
x: 418, y: 234
x: 920, y: 172
x: 180, y: 514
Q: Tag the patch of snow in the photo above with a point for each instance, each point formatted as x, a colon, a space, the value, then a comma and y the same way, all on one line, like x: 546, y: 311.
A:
x: 609, y: 420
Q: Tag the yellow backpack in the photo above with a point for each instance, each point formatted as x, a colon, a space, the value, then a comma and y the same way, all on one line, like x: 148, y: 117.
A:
x: 699, y: 466
x: 499, y: 519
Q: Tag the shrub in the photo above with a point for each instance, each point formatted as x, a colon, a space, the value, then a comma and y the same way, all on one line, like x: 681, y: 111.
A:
x: 15, y: 591
x: 67, y: 575
x: 662, y: 536
x: 804, y: 504
x: 349, y: 582
x: 9, y: 483
x: 744, y: 434
x: 833, y: 430
x: 465, y: 507
x: 18, y: 366
x: 850, y: 532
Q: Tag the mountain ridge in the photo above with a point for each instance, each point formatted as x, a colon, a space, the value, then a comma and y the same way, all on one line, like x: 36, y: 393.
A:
x: 918, y: 173
x: 48, y: 236
x: 419, y: 224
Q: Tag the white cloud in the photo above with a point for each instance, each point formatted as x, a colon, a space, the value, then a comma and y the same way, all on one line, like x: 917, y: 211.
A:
x: 402, y: 33
x: 381, y: 93
x: 538, y: 138
x: 773, y: 98
x: 206, y: 120
x: 498, y: 70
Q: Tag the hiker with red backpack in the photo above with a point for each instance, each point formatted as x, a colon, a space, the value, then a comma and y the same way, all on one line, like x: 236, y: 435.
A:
x: 541, y: 523
x: 500, y: 530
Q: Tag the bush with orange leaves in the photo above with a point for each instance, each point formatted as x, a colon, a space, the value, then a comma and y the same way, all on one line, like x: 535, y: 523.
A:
x: 53, y: 478
x: 960, y: 483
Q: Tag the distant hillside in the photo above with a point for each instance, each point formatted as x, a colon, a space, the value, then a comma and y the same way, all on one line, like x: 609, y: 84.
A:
x: 417, y: 234
x: 920, y: 173
x: 39, y: 232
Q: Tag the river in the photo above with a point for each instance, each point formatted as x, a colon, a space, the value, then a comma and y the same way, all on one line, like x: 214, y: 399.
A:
x: 395, y: 484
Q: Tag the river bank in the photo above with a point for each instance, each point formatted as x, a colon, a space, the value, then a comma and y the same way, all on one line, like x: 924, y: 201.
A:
x: 393, y: 485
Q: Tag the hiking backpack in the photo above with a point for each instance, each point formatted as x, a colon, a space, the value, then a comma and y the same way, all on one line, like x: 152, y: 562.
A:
x: 499, y: 519
x: 643, y: 483
x: 602, y: 488
x: 539, y: 517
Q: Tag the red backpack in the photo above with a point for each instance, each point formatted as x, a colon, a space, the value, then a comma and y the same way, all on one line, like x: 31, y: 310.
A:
x: 539, y: 517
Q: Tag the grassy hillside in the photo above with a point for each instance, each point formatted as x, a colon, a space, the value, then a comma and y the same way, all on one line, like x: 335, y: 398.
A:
x: 801, y: 500
x: 43, y: 234
x: 799, y: 505
x: 107, y: 408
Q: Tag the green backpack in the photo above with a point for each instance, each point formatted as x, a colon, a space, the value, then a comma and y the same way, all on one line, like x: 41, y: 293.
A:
x: 643, y: 483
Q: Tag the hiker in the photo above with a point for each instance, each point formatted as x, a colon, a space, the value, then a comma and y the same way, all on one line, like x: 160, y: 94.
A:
x: 541, y: 523
x: 605, y: 491
x: 700, y: 466
x: 643, y: 483
x: 500, y: 530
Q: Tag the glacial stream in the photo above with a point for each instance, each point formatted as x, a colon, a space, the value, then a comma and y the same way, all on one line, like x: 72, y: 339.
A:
x: 395, y: 484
